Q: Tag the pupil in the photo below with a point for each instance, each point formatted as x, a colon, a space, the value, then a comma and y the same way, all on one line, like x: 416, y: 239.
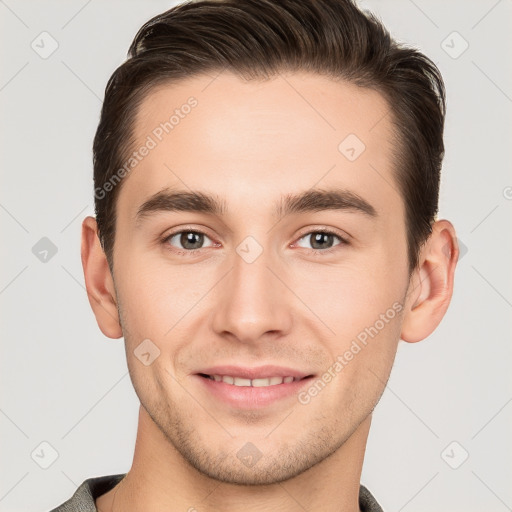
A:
x: 195, y: 239
x: 318, y: 238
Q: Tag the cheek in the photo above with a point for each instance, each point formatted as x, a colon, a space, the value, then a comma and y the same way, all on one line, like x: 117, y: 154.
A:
x: 363, y: 310
x: 347, y: 299
x: 155, y: 296
x: 361, y: 357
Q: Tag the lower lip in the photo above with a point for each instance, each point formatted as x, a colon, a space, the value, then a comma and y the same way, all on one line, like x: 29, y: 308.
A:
x: 248, y: 397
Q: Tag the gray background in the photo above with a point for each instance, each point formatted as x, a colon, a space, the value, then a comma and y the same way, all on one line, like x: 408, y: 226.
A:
x: 65, y: 384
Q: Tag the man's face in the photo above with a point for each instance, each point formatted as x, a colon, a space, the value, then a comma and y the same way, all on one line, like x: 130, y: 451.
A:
x: 264, y: 296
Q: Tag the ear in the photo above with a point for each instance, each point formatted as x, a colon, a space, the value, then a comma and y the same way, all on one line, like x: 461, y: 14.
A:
x: 431, y: 285
x: 98, y: 281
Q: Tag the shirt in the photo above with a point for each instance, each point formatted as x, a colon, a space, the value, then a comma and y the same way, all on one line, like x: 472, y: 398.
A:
x: 92, y: 488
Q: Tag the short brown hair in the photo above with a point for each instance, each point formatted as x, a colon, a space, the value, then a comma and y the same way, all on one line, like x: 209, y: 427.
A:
x: 258, y: 39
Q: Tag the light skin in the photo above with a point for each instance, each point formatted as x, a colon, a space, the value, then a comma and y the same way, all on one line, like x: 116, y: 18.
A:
x: 250, y: 145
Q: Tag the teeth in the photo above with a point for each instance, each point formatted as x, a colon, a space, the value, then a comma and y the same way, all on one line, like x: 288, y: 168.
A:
x: 256, y: 383
x: 242, y: 382
x: 260, y: 383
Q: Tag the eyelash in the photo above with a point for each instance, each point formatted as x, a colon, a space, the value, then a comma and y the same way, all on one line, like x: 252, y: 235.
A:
x: 192, y: 252
x: 323, y: 252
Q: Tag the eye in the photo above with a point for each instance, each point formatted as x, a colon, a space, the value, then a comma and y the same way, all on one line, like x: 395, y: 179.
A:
x: 188, y: 240
x: 322, y: 240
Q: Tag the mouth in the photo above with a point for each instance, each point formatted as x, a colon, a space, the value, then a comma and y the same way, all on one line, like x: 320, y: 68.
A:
x: 255, y: 383
x: 251, y: 388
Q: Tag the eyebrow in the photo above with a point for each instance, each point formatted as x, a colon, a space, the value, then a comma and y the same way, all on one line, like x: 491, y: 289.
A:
x: 312, y: 200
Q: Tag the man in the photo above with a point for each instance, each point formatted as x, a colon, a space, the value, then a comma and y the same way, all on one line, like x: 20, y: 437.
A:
x: 266, y: 184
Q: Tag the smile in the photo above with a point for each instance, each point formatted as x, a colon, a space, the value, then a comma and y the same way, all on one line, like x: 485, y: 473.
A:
x: 251, y: 388
x: 255, y: 383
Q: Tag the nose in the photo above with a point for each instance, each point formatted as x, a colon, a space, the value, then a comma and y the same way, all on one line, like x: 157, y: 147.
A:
x: 252, y: 304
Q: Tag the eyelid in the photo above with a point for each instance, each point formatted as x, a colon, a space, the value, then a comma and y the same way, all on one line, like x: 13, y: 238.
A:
x: 187, y: 228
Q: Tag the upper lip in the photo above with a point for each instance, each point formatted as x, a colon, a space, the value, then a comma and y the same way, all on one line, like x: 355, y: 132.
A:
x: 260, y: 372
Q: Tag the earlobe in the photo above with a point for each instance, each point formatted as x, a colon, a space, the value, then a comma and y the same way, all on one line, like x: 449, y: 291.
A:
x: 431, y: 285
x: 98, y: 281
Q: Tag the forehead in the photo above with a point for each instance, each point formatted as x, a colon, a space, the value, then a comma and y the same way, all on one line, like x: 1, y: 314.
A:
x: 249, y: 140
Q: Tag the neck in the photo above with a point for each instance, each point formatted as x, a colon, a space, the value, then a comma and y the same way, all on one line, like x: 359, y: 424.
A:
x: 161, y: 479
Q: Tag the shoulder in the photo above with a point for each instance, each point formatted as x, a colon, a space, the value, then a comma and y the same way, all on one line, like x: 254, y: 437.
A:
x: 367, y: 503
x: 90, y: 489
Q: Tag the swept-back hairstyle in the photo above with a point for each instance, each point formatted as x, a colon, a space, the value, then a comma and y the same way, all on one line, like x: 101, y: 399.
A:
x: 257, y: 39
